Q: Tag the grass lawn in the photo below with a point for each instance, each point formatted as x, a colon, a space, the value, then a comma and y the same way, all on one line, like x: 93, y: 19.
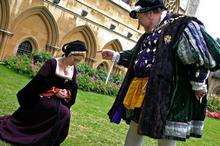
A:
x: 89, y: 123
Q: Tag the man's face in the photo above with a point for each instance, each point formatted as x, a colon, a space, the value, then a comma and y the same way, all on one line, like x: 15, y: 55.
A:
x: 145, y: 19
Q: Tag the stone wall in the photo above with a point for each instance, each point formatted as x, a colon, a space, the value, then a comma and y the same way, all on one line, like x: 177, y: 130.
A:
x: 47, y: 26
x: 100, y: 24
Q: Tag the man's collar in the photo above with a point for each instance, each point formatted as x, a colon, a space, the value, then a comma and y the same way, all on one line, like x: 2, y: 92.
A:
x: 163, y: 15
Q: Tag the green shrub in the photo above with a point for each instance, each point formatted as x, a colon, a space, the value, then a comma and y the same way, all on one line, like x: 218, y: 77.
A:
x: 27, y: 64
x: 90, y: 79
x: 213, y: 104
x: 107, y: 89
x: 87, y: 83
x: 117, y: 79
x: 85, y: 69
x: 101, y: 74
x: 41, y: 56
x: 20, y: 64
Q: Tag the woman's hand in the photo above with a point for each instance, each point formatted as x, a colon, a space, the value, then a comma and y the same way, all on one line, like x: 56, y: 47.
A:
x: 63, y: 94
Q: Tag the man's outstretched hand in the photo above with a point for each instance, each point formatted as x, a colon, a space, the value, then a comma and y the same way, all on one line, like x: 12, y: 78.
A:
x: 107, y: 54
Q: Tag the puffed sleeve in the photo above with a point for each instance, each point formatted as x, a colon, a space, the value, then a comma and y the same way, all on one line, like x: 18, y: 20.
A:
x: 193, y: 52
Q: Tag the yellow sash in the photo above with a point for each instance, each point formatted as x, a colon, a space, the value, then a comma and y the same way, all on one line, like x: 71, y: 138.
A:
x: 136, y: 92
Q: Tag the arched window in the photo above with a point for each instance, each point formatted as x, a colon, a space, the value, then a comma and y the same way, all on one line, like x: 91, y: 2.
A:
x: 25, y: 48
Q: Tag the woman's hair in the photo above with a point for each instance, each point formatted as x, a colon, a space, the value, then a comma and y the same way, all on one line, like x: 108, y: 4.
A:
x: 75, y: 46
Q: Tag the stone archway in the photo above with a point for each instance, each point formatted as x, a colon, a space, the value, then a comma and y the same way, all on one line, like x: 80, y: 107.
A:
x: 85, y: 34
x: 47, y: 18
x: 4, y: 22
x: 114, y: 45
x: 104, y: 66
x: 29, y: 23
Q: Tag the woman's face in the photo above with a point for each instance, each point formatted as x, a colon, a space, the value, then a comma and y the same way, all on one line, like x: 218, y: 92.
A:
x: 77, y: 57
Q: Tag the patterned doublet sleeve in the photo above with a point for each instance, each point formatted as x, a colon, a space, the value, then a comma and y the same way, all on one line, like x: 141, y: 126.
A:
x: 193, y: 52
x: 192, y: 47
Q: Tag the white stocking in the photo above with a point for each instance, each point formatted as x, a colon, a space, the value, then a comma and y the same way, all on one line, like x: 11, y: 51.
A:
x: 166, y: 142
x: 133, y: 138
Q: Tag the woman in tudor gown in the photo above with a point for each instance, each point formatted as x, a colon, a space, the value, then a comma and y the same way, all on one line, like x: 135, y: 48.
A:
x: 44, y: 114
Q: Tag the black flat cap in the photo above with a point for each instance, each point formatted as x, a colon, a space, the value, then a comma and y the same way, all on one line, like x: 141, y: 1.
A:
x: 143, y: 6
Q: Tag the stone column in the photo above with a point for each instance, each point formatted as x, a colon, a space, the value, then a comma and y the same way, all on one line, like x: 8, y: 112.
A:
x: 90, y: 61
x: 4, y: 37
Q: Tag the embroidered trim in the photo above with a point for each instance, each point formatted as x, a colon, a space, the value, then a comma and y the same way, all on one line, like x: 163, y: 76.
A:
x: 199, y: 86
x: 76, y: 52
x: 115, y: 57
x: 166, y: 22
x: 183, y: 130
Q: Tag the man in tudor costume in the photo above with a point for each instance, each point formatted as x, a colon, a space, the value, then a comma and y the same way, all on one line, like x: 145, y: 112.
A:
x: 163, y: 95
x: 44, y: 114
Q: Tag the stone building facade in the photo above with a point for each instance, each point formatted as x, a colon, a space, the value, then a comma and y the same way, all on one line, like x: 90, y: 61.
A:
x: 28, y: 25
